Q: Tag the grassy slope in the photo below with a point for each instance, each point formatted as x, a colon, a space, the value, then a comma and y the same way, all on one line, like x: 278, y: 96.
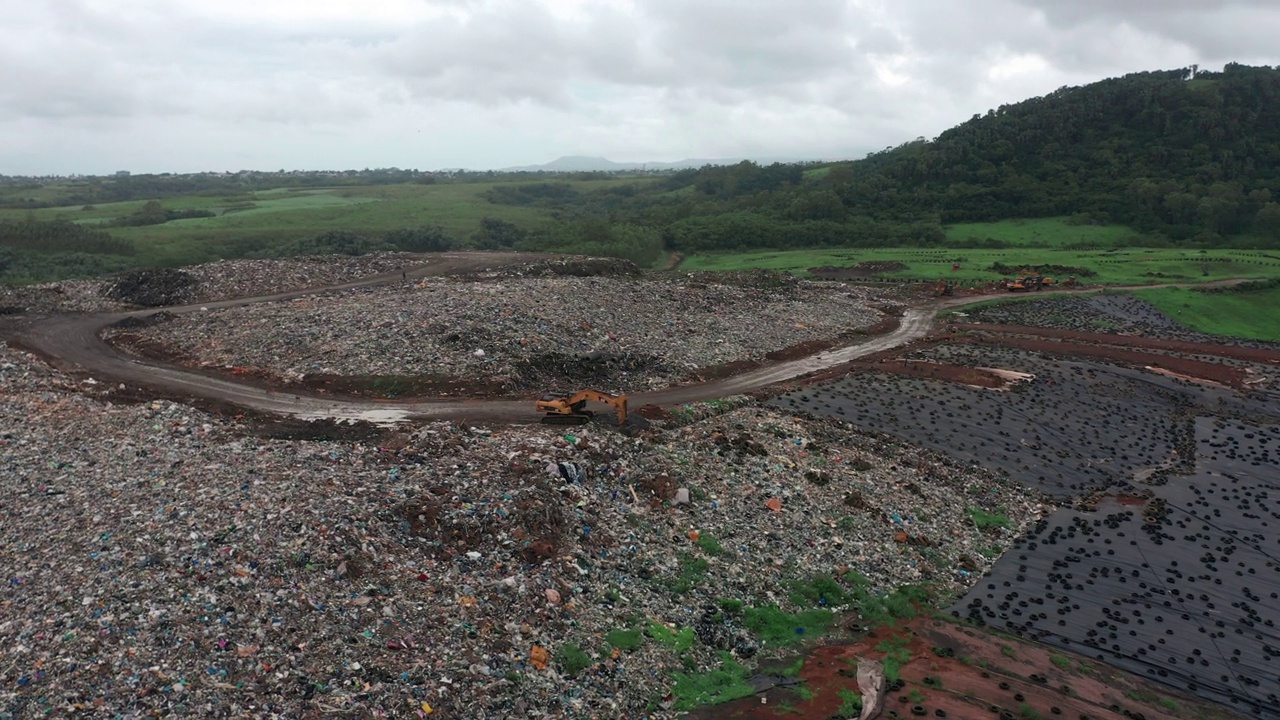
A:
x: 1055, y: 232
x: 1246, y: 315
x: 249, y: 221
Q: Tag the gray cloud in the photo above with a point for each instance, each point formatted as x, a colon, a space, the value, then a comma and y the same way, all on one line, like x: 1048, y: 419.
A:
x: 187, y: 85
x: 1216, y: 30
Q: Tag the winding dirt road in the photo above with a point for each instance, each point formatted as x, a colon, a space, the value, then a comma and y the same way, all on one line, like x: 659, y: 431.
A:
x: 72, y: 344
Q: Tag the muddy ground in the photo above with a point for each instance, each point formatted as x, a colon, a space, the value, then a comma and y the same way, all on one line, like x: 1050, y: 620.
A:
x: 953, y: 671
x: 1164, y: 455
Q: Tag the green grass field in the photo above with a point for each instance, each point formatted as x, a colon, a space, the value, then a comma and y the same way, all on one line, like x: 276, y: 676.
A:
x: 1043, y: 232
x: 1249, y: 315
x: 1137, y: 266
x: 251, y: 221
x: 248, y: 222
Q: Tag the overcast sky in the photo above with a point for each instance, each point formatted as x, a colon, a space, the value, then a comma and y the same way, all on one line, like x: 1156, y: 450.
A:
x: 94, y: 86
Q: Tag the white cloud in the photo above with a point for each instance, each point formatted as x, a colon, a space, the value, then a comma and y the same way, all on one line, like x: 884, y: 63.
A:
x: 176, y: 85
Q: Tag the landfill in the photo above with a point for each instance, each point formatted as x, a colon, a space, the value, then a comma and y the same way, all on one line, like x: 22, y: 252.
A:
x: 162, y: 561
x: 524, y: 333
x: 222, y: 280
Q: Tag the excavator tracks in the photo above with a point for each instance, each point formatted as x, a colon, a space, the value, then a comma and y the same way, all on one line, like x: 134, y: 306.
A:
x: 557, y: 419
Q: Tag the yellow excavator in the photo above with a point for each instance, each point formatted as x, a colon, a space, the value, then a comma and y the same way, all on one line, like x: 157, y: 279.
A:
x: 568, y: 409
x: 1030, y: 282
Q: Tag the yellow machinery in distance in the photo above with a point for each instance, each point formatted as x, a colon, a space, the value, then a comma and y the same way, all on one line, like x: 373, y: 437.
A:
x: 569, y: 409
x: 1029, y: 282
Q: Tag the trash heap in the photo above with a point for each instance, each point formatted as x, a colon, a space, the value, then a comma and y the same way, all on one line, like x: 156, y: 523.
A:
x: 151, y: 287
x: 549, y: 266
x: 160, y: 560
x: 522, y: 333
x: 221, y: 280
x: 245, y: 278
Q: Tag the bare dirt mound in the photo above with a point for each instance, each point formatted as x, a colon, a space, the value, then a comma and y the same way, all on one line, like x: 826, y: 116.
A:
x: 866, y: 269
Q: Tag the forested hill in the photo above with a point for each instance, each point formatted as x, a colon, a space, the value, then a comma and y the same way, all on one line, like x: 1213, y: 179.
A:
x: 1161, y: 150
x: 1183, y: 156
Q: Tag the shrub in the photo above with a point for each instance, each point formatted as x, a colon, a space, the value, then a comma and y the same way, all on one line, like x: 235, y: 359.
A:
x: 624, y: 640
x: 571, y: 659
x: 729, y: 682
x: 984, y: 520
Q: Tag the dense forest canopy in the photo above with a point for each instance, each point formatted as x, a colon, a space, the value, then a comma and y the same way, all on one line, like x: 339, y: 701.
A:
x: 1176, y: 151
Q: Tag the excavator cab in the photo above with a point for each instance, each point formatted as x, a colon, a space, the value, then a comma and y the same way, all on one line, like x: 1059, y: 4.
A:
x: 571, y: 410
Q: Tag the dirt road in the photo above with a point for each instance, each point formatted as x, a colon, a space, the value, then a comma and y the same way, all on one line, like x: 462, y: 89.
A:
x: 71, y: 343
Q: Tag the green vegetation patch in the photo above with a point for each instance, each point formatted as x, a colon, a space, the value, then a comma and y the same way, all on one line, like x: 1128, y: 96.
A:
x: 693, y: 570
x: 1247, y: 313
x: 678, y: 641
x: 572, y: 659
x: 709, y: 545
x: 730, y: 605
x: 775, y: 627
x: 850, y: 703
x: 792, y: 670
x: 854, y: 591
x: 985, y: 521
x: 1051, y: 232
x: 820, y: 591
x: 728, y: 682
x: 624, y: 640
x: 896, y: 655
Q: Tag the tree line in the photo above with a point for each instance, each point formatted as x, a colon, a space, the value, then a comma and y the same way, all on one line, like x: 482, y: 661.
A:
x: 1185, y: 157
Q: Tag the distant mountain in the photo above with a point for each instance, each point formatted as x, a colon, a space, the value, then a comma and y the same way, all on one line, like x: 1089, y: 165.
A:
x: 584, y: 163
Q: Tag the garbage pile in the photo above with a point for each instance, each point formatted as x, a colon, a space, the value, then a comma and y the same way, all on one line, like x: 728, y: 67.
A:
x: 151, y: 287
x: 245, y: 278
x: 520, y: 333
x: 221, y: 280
x: 63, y: 296
x: 569, y: 265
x: 159, y: 560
